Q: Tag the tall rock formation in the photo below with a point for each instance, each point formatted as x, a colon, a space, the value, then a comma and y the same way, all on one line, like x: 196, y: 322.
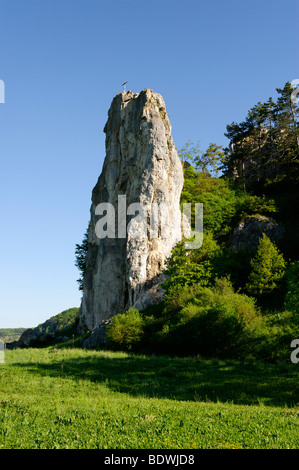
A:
x: 141, y: 167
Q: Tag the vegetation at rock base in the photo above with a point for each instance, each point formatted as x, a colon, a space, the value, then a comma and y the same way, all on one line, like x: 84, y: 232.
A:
x: 228, y: 302
x: 127, y: 329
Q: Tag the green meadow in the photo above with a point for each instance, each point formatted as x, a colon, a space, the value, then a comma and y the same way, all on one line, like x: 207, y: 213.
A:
x: 78, y: 399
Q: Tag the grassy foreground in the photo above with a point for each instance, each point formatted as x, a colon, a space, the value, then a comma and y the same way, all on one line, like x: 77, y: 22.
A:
x: 72, y: 398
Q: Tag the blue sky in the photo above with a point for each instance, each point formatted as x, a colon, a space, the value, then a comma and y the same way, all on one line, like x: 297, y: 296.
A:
x: 62, y: 62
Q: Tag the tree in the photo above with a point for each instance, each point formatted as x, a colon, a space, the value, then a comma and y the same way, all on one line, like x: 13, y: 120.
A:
x: 211, y: 159
x: 126, y: 329
x: 236, y: 155
x: 208, y: 162
x: 287, y: 136
x: 80, y: 261
x: 190, y: 152
x: 265, y: 146
x: 187, y: 267
x: 217, y: 197
x: 268, y: 268
x: 287, y: 111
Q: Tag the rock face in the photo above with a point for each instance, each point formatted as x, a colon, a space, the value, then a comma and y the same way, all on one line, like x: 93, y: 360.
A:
x: 127, y: 253
x: 247, y: 234
x: 97, y: 336
x: 29, y: 337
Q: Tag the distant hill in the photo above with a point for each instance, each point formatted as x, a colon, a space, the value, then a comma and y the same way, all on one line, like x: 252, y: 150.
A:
x: 57, y: 328
x: 60, y: 323
x: 7, y: 335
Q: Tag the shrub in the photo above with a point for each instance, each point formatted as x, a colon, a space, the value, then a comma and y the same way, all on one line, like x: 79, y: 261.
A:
x: 126, y: 330
x: 187, y: 267
x: 212, y: 321
x: 275, y: 336
x: 249, y: 204
x: 219, y: 200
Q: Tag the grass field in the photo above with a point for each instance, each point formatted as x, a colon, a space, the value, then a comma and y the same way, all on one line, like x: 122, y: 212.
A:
x: 73, y: 398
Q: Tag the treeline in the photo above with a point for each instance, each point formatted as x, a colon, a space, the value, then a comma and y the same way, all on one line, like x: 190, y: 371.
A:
x: 264, y: 148
x: 62, y: 323
x: 10, y: 334
x: 59, y: 328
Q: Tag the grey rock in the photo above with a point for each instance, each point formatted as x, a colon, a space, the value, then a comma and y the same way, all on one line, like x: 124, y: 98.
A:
x: 141, y: 164
x: 153, y: 294
x: 27, y: 337
x: 247, y: 234
x: 97, y: 337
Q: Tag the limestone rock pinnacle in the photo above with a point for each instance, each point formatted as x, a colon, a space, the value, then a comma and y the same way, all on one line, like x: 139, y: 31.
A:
x: 141, y: 166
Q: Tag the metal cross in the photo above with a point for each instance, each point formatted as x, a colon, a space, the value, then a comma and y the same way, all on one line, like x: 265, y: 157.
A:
x: 124, y: 85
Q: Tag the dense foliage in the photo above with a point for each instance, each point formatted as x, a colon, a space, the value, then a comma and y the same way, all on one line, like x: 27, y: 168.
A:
x: 220, y: 301
x: 265, y: 146
x: 80, y: 258
x: 268, y: 269
x: 61, y: 324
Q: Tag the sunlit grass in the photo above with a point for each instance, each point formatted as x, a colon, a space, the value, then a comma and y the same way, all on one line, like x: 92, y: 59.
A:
x: 72, y: 398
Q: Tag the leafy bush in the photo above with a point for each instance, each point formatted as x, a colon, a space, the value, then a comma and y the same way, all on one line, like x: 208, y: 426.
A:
x: 211, y: 321
x: 275, y: 335
x: 126, y: 330
x: 187, y: 267
x: 217, y: 197
x: 248, y: 204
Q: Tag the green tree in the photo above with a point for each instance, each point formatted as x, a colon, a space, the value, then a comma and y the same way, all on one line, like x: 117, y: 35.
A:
x: 217, y: 197
x: 80, y: 258
x: 268, y: 268
x: 211, y: 159
x: 190, y: 152
x: 188, y: 267
x: 208, y: 162
x: 126, y: 330
x: 265, y: 146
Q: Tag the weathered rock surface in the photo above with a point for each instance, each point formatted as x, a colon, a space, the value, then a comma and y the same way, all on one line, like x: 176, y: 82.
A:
x: 141, y: 166
x: 247, y: 234
x: 29, y: 337
x: 97, y: 337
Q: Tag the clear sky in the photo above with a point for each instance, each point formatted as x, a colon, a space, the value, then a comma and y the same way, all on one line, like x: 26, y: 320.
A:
x: 62, y: 62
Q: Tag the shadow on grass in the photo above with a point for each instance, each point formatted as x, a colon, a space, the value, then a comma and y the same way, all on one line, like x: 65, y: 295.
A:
x: 192, y: 379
